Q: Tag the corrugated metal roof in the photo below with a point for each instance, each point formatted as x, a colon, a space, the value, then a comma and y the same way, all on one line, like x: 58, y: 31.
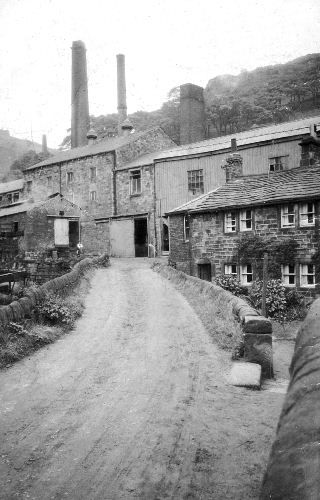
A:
x: 290, y: 185
x: 105, y: 146
x: 267, y: 133
x: 7, y: 187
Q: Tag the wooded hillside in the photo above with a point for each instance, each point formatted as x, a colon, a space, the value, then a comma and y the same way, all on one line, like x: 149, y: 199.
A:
x: 270, y: 94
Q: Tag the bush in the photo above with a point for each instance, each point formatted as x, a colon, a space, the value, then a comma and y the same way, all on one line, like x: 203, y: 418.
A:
x: 57, y: 311
x: 230, y: 283
x: 282, y: 304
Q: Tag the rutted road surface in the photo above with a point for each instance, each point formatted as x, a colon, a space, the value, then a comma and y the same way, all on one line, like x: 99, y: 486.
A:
x: 132, y: 404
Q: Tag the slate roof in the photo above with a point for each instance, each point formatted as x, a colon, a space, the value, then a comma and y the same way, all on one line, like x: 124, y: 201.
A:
x: 16, y: 208
x: 8, y: 187
x: 143, y: 160
x: 254, y: 190
x: 104, y: 146
x: 272, y: 132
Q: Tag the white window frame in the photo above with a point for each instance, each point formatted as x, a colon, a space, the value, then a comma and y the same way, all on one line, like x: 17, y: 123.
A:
x: 245, y: 273
x: 93, y: 195
x: 278, y: 163
x: 286, y: 212
x: 245, y: 220
x: 287, y: 273
x: 305, y: 211
x: 230, y: 221
x: 304, y: 275
x: 228, y: 271
x: 93, y: 174
x: 135, y: 182
x: 195, y: 181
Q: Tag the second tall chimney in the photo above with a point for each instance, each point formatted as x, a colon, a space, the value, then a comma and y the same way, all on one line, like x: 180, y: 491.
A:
x: 79, y: 96
x: 122, y: 97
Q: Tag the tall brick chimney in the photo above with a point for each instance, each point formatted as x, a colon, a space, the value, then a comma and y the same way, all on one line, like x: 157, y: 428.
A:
x: 80, y: 122
x: 122, y: 95
x: 44, y: 148
x: 192, y: 118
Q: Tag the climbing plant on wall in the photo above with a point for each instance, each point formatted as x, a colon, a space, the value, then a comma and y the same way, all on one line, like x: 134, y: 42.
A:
x: 252, y: 247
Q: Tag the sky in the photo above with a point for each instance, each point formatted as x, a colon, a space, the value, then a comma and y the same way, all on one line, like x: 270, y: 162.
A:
x: 166, y: 43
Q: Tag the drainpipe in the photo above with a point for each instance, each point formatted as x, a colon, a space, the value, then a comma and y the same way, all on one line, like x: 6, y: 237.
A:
x: 155, y: 208
x: 114, y: 183
x: 189, y: 246
x: 60, y: 180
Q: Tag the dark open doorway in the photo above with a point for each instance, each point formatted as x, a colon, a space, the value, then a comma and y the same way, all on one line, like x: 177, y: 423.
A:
x: 204, y: 271
x: 141, y: 237
x: 73, y: 233
x: 165, y: 236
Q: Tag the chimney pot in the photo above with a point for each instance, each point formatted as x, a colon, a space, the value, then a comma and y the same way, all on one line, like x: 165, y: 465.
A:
x: 91, y: 136
x: 233, y: 164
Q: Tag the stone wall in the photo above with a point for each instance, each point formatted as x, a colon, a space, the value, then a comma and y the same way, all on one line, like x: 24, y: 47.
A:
x: 154, y: 140
x: 18, y: 309
x: 293, y: 468
x: 208, y: 239
x: 179, y: 248
x: 257, y: 330
x: 78, y: 190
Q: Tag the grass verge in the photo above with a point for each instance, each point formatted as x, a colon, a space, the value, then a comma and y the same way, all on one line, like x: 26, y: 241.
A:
x: 214, y: 310
x: 19, y: 340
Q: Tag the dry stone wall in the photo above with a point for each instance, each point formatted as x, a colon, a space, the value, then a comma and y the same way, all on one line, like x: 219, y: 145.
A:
x: 293, y: 469
x: 18, y: 309
x: 257, y: 330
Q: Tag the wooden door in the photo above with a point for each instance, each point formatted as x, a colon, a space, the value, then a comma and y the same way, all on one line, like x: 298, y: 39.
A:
x: 122, y: 238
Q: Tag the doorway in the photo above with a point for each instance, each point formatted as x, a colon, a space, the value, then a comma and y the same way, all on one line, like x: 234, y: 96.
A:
x: 73, y: 233
x: 141, y: 237
x: 204, y: 271
x: 165, y: 236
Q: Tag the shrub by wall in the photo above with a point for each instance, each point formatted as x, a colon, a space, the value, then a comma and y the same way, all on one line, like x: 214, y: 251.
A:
x: 18, y: 309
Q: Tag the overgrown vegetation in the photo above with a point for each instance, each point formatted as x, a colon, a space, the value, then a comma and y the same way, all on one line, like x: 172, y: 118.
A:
x: 266, y: 95
x: 252, y: 247
x: 232, y: 284
x: 53, y: 316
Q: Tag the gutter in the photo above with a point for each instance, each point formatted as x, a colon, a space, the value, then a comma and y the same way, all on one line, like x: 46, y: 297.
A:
x: 114, y: 183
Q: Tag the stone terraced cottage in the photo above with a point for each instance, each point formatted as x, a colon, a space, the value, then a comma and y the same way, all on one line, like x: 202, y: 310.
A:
x: 281, y: 207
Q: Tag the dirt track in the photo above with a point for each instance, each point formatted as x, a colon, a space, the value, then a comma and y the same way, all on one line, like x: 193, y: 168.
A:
x: 133, y: 404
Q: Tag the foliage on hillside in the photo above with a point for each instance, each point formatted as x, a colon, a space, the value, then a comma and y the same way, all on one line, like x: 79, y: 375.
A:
x: 24, y: 161
x: 167, y: 117
x: 270, y: 94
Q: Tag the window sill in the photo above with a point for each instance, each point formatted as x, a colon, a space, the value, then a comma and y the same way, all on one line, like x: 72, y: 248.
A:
x: 134, y: 195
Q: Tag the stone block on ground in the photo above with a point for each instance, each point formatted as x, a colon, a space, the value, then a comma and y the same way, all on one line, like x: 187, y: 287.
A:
x: 245, y: 375
x: 258, y: 349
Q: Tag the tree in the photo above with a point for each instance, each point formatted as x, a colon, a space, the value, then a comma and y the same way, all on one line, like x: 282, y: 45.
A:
x: 26, y: 160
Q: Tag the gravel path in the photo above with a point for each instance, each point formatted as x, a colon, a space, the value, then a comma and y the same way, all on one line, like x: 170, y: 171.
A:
x: 133, y: 404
